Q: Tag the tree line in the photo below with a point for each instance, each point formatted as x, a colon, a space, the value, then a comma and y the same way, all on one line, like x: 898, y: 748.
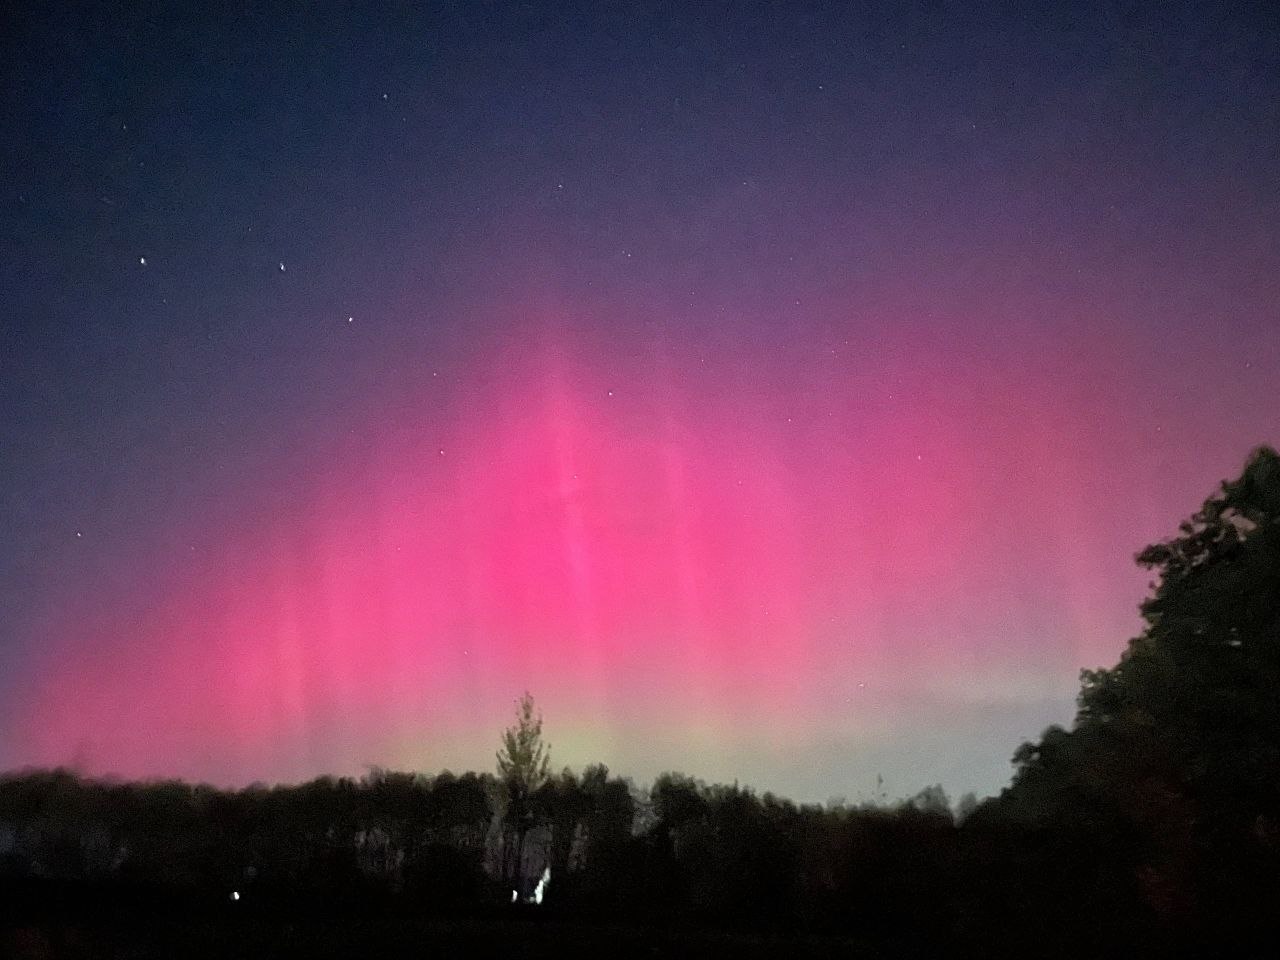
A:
x: 1151, y: 825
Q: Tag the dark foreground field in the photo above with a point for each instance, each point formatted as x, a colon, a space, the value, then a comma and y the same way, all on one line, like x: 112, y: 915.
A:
x: 49, y: 920
x: 344, y: 938
x: 86, y: 931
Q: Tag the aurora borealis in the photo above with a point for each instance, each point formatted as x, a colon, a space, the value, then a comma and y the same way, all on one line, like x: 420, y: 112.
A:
x: 779, y: 393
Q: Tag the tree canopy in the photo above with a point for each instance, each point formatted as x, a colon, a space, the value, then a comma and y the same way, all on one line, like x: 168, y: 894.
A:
x: 523, y: 764
x: 524, y: 759
x: 1178, y: 745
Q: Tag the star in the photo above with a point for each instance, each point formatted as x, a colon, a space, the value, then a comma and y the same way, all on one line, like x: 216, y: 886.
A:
x: 282, y: 266
x: 142, y: 261
x: 349, y: 319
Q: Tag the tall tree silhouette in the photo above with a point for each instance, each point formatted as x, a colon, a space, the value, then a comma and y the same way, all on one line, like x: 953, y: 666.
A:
x: 523, y: 762
x: 1179, y: 742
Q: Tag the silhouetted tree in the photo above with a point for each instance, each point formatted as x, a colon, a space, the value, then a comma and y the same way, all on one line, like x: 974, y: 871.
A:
x: 931, y: 799
x: 612, y: 813
x: 562, y: 807
x: 1178, y: 744
x: 522, y: 769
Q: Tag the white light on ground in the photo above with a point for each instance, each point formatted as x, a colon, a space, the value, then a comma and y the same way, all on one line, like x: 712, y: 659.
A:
x: 542, y: 885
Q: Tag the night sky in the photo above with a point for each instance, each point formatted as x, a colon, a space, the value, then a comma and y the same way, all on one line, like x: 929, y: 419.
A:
x: 778, y: 391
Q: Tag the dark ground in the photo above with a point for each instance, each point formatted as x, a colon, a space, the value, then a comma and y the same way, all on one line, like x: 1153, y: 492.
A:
x: 47, y: 920
x: 371, y: 937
